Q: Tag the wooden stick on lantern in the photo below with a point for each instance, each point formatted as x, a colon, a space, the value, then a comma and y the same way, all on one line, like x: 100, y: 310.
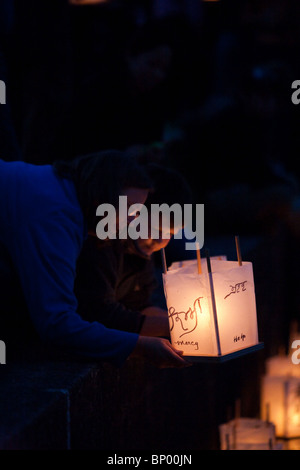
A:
x: 213, y: 301
x: 198, y: 258
x: 238, y: 250
x: 164, y: 263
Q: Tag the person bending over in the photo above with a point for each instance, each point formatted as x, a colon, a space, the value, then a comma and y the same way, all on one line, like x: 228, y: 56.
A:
x: 46, y: 213
x: 116, y: 280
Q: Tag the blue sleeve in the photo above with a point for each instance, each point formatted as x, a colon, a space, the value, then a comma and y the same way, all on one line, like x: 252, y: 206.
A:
x: 45, y: 254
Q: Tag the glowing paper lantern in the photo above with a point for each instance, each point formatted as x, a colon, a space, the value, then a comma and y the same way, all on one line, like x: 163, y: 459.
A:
x: 281, y: 366
x: 212, y: 313
x: 247, y: 434
x: 280, y: 399
x: 280, y: 395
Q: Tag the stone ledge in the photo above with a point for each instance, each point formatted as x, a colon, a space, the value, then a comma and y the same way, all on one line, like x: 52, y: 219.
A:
x: 58, y: 403
x: 35, y: 402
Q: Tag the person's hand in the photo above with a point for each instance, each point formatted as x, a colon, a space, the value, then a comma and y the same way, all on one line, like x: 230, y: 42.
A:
x: 159, y: 352
x: 156, y: 324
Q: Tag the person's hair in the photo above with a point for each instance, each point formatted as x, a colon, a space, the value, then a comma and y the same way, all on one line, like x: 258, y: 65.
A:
x: 169, y: 186
x: 100, y: 178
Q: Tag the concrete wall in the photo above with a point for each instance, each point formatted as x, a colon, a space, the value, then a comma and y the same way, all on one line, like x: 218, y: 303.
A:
x: 57, y: 403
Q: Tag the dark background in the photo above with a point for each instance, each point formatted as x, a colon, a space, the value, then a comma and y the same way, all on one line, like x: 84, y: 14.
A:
x: 204, y: 86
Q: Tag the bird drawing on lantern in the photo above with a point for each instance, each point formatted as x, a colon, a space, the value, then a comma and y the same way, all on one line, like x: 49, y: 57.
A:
x: 188, y: 320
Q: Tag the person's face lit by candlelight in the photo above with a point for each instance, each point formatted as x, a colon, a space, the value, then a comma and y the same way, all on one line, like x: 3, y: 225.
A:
x: 161, y: 240
x: 149, y: 246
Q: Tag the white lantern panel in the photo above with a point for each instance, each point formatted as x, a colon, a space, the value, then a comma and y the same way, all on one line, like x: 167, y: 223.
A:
x: 190, y: 314
x: 236, y: 307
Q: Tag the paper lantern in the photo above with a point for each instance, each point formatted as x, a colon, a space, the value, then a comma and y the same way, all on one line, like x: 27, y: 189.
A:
x: 281, y: 366
x: 248, y: 434
x: 211, y: 314
x: 280, y: 395
x: 280, y: 399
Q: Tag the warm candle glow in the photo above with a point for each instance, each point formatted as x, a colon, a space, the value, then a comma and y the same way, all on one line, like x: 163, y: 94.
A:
x: 280, y: 366
x: 282, y: 394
